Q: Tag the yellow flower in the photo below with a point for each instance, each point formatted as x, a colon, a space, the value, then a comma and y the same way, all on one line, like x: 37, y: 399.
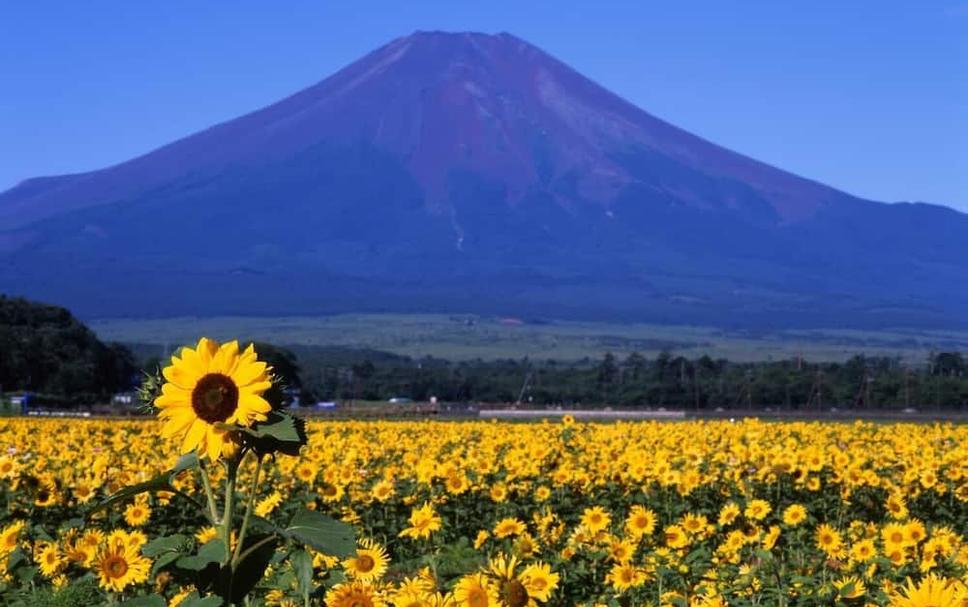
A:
x: 211, y: 385
x: 508, y: 527
x: 932, y: 591
x: 539, y: 580
x: 595, y: 519
x: 757, y: 510
x: 137, y: 514
x: 119, y: 566
x: 640, y: 522
x: 267, y: 504
x: 624, y: 576
x: 794, y: 515
x: 423, y: 522
x: 51, y: 560
x: 370, y: 562
x: 850, y: 587
x: 353, y: 594
x: 828, y: 539
x: 475, y: 590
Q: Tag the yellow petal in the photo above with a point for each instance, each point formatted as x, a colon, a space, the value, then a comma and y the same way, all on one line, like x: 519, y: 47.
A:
x: 246, y: 373
x: 181, y: 375
x: 194, y: 436
x: 178, y: 423
x: 214, y: 446
x: 206, y: 350
x: 226, y: 358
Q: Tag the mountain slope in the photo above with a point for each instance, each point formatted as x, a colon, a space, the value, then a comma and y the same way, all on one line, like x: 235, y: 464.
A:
x: 467, y: 172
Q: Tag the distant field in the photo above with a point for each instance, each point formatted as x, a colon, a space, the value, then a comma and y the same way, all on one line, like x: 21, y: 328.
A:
x: 458, y: 337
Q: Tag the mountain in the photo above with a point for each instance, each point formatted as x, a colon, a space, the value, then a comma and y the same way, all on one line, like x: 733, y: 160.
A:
x: 475, y: 173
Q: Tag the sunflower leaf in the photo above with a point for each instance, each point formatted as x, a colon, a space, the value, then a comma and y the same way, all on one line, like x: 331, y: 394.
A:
x: 323, y: 533
x: 280, y: 432
x: 150, y: 600
x: 166, y: 543
x: 249, y: 571
x: 159, y: 483
x: 193, y: 600
x: 212, y: 552
x: 302, y: 564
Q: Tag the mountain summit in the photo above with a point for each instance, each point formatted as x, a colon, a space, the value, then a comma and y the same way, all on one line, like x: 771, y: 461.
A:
x: 474, y: 173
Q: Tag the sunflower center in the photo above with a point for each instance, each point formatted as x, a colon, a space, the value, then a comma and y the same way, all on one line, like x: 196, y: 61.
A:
x: 215, y: 397
x: 116, y: 567
x: 364, y: 563
x: 515, y: 594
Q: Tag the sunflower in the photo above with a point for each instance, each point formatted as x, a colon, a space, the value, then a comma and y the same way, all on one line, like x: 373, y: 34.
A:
x: 757, y: 510
x: 370, y: 562
x: 353, y: 594
x: 932, y: 591
x: 212, y: 385
x: 10, y: 537
x: 137, y: 514
x: 794, y: 515
x: 828, y: 539
x: 423, y: 522
x: 728, y: 514
x: 51, y: 560
x: 511, y: 589
x: 850, y: 587
x: 624, y: 576
x: 863, y: 551
x: 539, y: 580
x: 641, y: 522
x: 676, y: 537
x: 595, y: 519
x: 118, y: 566
x: 508, y: 527
x: 267, y: 504
x: 475, y: 590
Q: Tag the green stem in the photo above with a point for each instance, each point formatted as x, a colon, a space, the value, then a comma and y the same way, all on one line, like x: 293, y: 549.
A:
x: 212, y: 510
x: 256, y: 546
x: 191, y: 499
x: 248, y: 510
x: 225, y: 526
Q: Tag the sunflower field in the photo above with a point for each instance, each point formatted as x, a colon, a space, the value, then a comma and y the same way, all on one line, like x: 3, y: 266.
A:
x: 488, y: 513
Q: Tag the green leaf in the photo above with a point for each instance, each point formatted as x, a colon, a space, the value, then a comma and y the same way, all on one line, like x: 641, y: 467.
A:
x: 158, y: 483
x: 302, y: 564
x: 163, y: 561
x: 193, y: 600
x: 212, y: 552
x: 280, y: 432
x: 166, y: 543
x: 151, y: 600
x: 323, y: 533
x: 162, y: 482
x: 249, y: 572
x: 185, y: 462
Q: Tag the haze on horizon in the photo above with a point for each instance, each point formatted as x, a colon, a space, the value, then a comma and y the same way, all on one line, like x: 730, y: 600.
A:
x: 867, y: 99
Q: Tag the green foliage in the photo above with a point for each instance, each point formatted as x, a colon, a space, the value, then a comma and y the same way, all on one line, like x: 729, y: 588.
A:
x: 49, y: 352
x: 322, y: 533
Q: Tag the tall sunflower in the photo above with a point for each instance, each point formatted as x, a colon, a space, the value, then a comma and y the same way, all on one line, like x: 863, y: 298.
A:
x: 933, y: 591
x: 208, y: 385
x: 118, y: 566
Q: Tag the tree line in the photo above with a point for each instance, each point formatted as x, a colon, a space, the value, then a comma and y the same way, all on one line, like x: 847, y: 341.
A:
x: 665, y: 381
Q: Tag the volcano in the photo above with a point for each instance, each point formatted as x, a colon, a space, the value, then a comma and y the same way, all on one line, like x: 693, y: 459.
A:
x: 464, y: 172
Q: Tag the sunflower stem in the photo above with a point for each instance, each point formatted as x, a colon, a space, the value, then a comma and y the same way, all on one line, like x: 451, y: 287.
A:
x: 225, y: 528
x: 212, y: 510
x: 248, y: 510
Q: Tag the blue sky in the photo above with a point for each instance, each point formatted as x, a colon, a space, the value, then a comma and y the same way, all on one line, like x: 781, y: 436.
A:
x: 870, y: 97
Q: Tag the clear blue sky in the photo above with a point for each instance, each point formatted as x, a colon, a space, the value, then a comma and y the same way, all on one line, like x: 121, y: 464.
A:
x: 870, y: 97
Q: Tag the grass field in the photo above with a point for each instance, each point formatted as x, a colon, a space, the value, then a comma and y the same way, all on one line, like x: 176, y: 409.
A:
x: 458, y: 337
